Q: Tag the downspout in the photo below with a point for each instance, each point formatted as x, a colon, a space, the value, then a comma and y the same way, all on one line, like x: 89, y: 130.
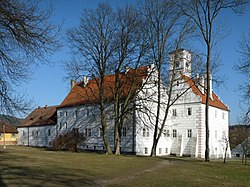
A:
x: 28, y: 136
x: 134, y: 125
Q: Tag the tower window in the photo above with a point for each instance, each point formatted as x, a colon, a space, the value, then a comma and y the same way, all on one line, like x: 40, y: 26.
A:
x: 189, y: 133
x: 189, y: 111
x: 177, y: 64
x: 174, y: 133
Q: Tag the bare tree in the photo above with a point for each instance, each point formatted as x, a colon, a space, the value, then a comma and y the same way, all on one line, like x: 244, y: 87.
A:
x: 244, y: 68
x: 131, y: 47
x: 225, y: 144
x: 166, y: 32
x: 93, y: 42
x: 205, y: 14
x: 26, y: 36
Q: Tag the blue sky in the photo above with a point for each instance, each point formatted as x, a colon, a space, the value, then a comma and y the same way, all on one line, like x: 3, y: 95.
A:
x: 47, y: 86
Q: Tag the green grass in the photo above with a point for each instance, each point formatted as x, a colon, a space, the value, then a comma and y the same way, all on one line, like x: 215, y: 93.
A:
x: 26, y: 166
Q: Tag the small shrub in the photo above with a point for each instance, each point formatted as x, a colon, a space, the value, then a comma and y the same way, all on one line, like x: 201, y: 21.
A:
x: 68, y: 141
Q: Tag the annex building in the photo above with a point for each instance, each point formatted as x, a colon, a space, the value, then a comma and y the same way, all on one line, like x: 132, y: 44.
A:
x: 184, y: 132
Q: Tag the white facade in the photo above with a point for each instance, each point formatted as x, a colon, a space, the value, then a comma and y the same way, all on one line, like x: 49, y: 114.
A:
x: 37, y: 136
x: 183, y: 135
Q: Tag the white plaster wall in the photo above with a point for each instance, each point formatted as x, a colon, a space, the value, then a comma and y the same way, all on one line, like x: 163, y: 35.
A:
x: 37, y: 136
x: 219, y: 126
x: 88, y: 117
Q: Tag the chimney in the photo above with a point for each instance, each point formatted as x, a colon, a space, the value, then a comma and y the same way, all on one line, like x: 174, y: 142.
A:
x: 72, y: 83
x: 85, y: 80
x: 127, y: 68
x: 202, y: 84
x: 211, y: 85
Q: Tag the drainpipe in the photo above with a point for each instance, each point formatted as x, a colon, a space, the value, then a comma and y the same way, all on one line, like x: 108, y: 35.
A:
x: 134, y: 125
x: 4, y: 136
x: 28, y: 136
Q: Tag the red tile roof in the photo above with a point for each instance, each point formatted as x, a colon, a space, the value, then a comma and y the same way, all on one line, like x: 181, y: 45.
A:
x: 89, y: 93
x: 216, y: 102
x: 8, y: 128
x: 41, y: 116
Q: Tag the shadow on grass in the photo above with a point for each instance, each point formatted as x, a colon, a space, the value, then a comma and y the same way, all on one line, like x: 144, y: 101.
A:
x: 16, y: 173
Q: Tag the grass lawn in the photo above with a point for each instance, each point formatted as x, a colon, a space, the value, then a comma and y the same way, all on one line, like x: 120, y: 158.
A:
x: 26, y: 166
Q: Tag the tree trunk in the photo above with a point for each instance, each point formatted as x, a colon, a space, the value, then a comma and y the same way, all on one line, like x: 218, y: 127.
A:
x: 155, y: 141
x: 207, y: 159
x: 104, y: 130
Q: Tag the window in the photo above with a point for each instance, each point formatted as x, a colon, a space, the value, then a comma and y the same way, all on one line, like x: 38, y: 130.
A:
x: 189, y: 111
x: 124, y: 131
x: 60, y: 114
x: 174, y: 133
x: 33, y: 133
x: 146, y: 150
x: 178, y: 83
x: 189, y: 133
x: 65, y: 114
x: 75, y: 114
x: 145, y: 132
x: 48, y: 132
x: 177, y: 64
x: 87, y: 132
x: 23, y: 133
x: 215, y: 134
x: 100, y: 132
x: 215, y: 113
x: 165, y: 133
x: 87, y: 112
x: 66, y: 125
x: 174, y: 112
x: 166, y: 150
x: 37, y: 133
x: 223, y: 115
x: 60, y: 125
x: 168, y: 134
x: 160, y: 150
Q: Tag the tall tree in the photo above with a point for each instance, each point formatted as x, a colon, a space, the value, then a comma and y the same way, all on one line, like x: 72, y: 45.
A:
x: 26, y: 37
x: 244, y: 68
x: 93, y: 41
x: 165, y: 31
x: 130, y: 49
x: 205, y: 15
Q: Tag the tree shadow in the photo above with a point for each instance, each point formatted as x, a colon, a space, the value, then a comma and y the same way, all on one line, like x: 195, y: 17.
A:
x: 36, y: 175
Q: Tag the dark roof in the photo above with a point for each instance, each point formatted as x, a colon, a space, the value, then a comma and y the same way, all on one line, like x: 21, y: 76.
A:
x: 88, y: 94
x: 216, y: 102
x: 41, y: 116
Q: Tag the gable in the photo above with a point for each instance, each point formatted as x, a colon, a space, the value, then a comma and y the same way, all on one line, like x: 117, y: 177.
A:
x: 216, y: 102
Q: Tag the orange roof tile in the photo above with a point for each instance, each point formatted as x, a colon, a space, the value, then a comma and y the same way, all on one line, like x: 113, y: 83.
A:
x: 89, y: 93
x: 41, y: 116
x: 216, y: 102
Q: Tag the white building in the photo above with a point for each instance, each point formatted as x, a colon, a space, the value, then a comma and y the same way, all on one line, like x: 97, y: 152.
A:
x: 184, y: 133
x: 39, y: 128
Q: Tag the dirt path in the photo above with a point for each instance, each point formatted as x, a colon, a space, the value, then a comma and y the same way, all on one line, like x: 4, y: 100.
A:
x: 132, y: 176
